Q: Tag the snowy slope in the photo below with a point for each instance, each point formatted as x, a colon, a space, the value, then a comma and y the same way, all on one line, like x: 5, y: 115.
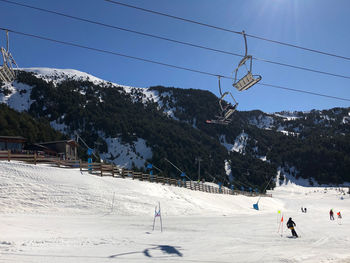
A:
x: 60, y: 215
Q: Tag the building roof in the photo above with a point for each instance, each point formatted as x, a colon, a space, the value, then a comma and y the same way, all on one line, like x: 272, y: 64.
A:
x: 62, y: 141
x: 38, y: 147
x: 13, y: 138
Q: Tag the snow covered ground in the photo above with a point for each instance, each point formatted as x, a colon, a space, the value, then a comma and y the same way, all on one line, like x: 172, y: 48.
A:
x: 59, y: 215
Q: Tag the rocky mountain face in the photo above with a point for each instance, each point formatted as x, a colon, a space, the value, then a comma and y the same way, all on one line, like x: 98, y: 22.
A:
x: 133, y: 127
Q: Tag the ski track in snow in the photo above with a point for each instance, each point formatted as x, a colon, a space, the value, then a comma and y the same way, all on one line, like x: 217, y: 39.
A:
x: 52, y: 214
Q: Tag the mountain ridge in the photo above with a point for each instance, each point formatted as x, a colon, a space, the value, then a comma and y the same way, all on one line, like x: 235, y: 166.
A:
x: 170, y: 123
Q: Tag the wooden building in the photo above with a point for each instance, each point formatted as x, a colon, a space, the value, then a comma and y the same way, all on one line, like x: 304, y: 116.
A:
x: 66, y: 149
x: 13, y: 143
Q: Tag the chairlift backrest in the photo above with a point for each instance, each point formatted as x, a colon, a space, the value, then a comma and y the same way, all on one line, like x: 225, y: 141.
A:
x: 222, y: 99
x: 7, y: 74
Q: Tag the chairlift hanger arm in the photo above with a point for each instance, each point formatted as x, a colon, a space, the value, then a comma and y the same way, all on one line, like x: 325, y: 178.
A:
x: 7, y: 41
x: 219, y: 85
x: 245, y: 43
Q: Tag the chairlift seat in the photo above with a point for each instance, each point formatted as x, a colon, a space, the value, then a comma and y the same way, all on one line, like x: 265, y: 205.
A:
x: 247, y: 81
x: 219, y: 121
x: 229, y: 113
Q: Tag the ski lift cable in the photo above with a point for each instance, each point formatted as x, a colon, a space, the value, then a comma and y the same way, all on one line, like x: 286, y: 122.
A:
x: 164, y: 64
x: 177, y: 168
x: 78, y: 137
x: 229, y: 30
x: 153, y: 166
x: 242, y: 184
x: 176, y: 41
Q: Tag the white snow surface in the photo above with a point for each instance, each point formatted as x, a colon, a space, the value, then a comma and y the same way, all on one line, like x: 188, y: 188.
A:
x: 227, y: 145
x: 228, y: 170
x: 52, y: 214
x: 238, y: 146
x: 58, y: 75
x: 288, y: 116
x: 241, y: 143
x: 19, y: 96
x: 262, y: 122
x: 126, y: 154
x: 59, y: 126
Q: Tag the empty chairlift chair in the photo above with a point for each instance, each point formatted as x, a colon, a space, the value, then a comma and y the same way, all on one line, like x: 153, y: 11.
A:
x: 248, y: 80
x: 226, y: 111
x: 7, y: 73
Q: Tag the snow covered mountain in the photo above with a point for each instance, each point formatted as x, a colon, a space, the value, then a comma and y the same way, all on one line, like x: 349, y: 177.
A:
x: 128, y: 126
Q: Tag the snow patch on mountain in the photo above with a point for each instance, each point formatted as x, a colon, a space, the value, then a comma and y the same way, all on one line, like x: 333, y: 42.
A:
x: 228, y: 170
x: 262, y: 122
x: 287, y: 115
x: 59, y: 75
x: 262, y: 158
x: 59, y: 126
x: 143, y: 95
x: 241, y: 143
x: 288, y: 133
x: 17, y: 96
x: 167, y: 102
x: 346, y: 119
x: 287, y: 175
x: 125, y: 155
x: 227, y: 145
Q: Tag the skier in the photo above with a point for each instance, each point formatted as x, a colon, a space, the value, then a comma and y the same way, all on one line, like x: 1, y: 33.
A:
x: 339, y: 215
x: 302, y: 209
x: 331, y: 217
x: 305, y: 210
x: 290, y: 225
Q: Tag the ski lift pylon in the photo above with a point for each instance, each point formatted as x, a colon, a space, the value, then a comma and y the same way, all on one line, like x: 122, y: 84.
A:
x: 249, y: 79
x: 225, y: 110
x: 7, y: 73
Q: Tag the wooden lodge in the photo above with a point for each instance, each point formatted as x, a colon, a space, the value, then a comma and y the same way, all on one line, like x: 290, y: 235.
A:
x: 12, y: 143
x: 66, y: 149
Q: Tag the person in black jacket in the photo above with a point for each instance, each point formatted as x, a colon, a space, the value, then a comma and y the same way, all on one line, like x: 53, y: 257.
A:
x: 290, y: 225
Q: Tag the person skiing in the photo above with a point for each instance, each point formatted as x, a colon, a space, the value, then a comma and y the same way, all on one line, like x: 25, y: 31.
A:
x: 331, y: 217
x: 339, y: 215
x: 290, y: 225
x: 305, y: 210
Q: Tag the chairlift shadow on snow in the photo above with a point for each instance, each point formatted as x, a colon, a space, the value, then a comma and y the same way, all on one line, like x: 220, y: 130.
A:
x: 167, y: 250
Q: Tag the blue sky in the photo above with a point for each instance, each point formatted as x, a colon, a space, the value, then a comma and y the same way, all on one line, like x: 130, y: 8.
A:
x: 316, y: 24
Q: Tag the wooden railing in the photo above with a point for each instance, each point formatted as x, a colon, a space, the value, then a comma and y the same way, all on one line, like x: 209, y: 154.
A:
x: 102, y: 169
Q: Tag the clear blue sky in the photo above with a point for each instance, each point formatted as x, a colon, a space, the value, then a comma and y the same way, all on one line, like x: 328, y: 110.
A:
x: 316, y: 24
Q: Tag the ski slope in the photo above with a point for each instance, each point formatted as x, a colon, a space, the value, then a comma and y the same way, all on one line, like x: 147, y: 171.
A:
x: 52, y: 214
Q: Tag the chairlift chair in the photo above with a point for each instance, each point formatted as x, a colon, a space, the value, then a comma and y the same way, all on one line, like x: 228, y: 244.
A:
x: 7, y: 73
x: 226, y: 111
x: 249, y: 79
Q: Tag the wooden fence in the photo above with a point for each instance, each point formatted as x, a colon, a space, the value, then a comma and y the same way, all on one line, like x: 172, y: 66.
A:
x: 102, y: 169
